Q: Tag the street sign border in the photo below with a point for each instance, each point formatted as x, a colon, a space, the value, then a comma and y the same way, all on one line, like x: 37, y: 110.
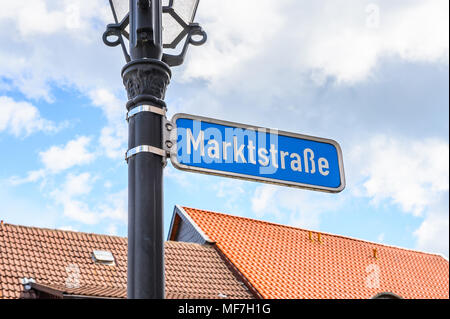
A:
x: 178, y: 165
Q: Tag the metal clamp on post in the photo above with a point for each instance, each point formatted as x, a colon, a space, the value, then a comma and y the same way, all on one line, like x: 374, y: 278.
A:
x: 168, y: 130
x: 168, y: 141
x: 145, y: 149
x: 146, y: 108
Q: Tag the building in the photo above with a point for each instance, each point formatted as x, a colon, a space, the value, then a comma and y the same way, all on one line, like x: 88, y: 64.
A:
x: 214, y: 255
x: 287, y: 262
x: 44, y: 263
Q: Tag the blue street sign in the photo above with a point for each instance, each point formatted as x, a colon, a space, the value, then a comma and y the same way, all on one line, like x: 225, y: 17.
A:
x: 242, y: 151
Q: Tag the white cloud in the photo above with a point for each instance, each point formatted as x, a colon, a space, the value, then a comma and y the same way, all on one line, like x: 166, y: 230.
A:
x: 114, y: 136
x: 57, y: 159
x: 22, y: 118
x: 113, y: 142
x: 112, y: 230
x: 413, y: 174
x: 73, y: 208
x: 79, y: 211
x: 78, y: 204
x: 232, y: 192
x: 323, y: 38
x: 229, y: 188
x: 115, y: 206
x: 48, y: 17
x: 77, y: 185
x: 67, y: 227
x: 433, y: 233
x: 56, y: 42
x: 410, y: 173
x: 186, y: 180
x: 234, y: 35
x: 74, y: 153
x: 293, y: 207
x: 112, y: 107
x: 60, y: 42
x: 264, y: 200
x: 32, y: 176
x: 421, y: 31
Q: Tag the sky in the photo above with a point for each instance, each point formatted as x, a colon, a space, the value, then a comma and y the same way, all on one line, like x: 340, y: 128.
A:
x: 371, y: 75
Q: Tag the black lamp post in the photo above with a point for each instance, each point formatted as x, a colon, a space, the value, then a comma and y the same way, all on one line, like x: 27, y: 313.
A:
x: 149, y: 26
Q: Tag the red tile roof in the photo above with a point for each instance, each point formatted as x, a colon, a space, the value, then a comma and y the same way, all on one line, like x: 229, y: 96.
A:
x: 61, y: 261
x: 198, y: 271
x: 287, y: 262
x: 94, y: 292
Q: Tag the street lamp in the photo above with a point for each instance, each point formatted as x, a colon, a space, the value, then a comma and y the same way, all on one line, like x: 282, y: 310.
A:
x: 169, y: 28
x: 148, y: 26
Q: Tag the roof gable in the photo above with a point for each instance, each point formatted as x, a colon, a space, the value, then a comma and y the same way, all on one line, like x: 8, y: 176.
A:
x: 183, y: 228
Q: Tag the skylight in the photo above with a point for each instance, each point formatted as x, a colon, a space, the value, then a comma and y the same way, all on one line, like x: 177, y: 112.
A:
x: 103, y: 257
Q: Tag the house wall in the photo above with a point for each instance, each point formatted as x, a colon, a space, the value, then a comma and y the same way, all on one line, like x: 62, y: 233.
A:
x: 187, y: 233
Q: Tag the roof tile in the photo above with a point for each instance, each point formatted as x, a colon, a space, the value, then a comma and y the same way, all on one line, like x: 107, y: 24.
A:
x: 50, y: 256
x: 283, y: 262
